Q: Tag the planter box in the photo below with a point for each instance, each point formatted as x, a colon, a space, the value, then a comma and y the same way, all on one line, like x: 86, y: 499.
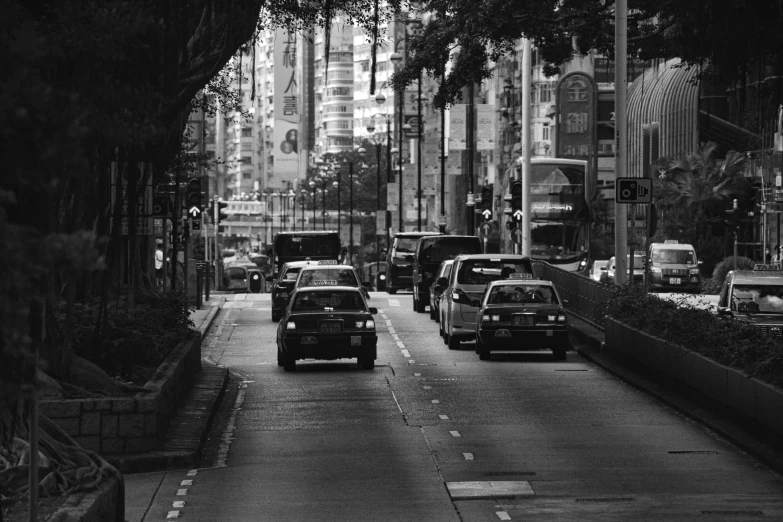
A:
x: 753, y: 398
x: 124, y: 425
x: 104, y: 504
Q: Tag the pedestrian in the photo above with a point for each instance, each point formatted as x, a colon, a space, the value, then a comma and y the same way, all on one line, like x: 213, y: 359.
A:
x: 159, y: 263
x: 778, y: 257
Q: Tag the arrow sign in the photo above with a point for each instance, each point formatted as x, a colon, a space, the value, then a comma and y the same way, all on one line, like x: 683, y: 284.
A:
x: 486, y: 214
x: 486, y: 229
x: 516, y: 236
x: 518, y: 215
x: 194, y: 211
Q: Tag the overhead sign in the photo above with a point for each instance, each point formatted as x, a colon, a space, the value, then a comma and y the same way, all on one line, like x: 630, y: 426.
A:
x: 633, y: 190
x: 576, y: 108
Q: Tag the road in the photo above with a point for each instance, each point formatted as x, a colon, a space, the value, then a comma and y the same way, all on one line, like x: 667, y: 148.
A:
x: 410, y: 439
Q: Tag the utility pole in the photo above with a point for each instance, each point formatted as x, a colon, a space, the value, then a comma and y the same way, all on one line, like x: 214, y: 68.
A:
x: 526, y: 59
x: 621, y: 123
x: 471, y: 203
x: 418, y: 157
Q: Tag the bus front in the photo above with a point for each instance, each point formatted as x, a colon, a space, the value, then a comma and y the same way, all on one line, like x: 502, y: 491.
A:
x: 560, y: 215
x: 305, y: 246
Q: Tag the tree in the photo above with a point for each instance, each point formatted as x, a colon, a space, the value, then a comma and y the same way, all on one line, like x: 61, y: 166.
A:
x: 731, y: 36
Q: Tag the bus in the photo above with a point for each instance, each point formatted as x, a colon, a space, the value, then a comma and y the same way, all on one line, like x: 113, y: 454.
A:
x: 314, y: 245
x: 559, y: 212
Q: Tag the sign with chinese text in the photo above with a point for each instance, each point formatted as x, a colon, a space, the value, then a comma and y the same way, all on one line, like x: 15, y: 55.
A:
x: 604, y: 69
x: 430, y: 155
x: 392, y: 196
x: 454, y: 164
x: 286, y: 107
x: 576, y: 107
x: 485, y: 126
x: 458, y: 127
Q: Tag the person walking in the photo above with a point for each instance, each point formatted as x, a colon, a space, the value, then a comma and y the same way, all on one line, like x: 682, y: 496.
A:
x: 159, y: 264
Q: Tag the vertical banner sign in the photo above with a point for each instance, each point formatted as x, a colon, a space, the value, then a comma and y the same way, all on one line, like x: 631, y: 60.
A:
x: 430, y: 152
x: 286, y: 148
x: 392, y: 196
x: 576, y: 108
x: 410, y: 181
x: 485, y: 126
x: 454, y: 164
x: 458, y: 125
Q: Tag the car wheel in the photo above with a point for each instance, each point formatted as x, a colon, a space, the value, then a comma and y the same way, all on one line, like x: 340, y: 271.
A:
x: 367, y: 363
x: 453, y: 343
x: 289, y: 363
x: 484, y: 352
x: 440, y: 329
x: 279, y: 357
x: 392, y: 291
x: 559, y: 354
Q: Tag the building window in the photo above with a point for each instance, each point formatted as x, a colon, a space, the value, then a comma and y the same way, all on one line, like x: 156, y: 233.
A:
x: 246, y: 160
x: 247, y: 132
x: 247, y: 175
x: 545, y: 93
x: 247, y: 146
x: 545, y: 132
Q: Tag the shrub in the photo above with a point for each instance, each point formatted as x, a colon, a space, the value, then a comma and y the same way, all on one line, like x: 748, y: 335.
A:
x: 727, y: 265
x: 728, y: 342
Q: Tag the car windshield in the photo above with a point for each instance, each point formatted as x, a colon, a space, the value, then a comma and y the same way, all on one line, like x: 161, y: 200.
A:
x: 405, y: 245
x: 528, y: 294
x: 679, y: 257
x: 335, y: 276
x: 291, y: 273
x: 758, y: 299
x: 484, y: 271
x: 235, y: 273
x: 328, y: 300
x: 442, y: 248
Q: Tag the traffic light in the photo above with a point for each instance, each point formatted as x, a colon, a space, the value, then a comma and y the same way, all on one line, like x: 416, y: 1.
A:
x: 486, y: 201
x: 516, y: 200
x: 195, y: 196
x: 732, y: 216
x: 220, y: 215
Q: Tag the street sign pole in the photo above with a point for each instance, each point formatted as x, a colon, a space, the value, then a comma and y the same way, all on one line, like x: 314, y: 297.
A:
x: 205, y: 234
x: 621, y: 112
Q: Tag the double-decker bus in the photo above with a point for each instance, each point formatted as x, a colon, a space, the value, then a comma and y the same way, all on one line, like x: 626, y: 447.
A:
x: 559, y: 212
x: 305, y: 245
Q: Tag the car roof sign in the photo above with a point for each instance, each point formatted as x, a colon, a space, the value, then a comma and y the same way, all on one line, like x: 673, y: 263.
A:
x: 517, y: 275
x: 764, y: 267
x: 671, y: 242
x: 496, y: 260
x: 327, y: 262
x: 325, y: 282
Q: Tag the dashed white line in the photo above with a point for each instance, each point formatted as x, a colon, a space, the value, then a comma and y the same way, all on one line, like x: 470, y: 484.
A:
x: 411, y: 361
x: 468, y: 456
x: 405, y: 353
x: 392, y: 330
x: 427, y: 387
x: 388, y: 323
x: 443, y: 417
x: 502, y: 515
x: 435, y: 401
x: 192, y: 473
x: 417, y: 375
x: 178, y: 504
x: 395, y: 337
x: 182, y: 492
x: 172, y: 514
x: 186, y: 483
x: 400, y: 344
x: 455, y: 434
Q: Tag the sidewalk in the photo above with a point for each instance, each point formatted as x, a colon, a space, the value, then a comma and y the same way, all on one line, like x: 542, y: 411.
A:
x: 748, y: 435
x: 189, y: 427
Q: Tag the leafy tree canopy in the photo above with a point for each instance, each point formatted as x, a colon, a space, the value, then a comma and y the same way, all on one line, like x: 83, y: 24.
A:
x: 729, y: 35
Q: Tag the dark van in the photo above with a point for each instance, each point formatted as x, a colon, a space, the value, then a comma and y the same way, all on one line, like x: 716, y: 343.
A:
x: 399, y: 260
x: 431, y: 251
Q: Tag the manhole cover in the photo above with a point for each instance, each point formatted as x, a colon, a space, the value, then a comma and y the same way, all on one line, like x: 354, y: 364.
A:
x: 488, y: 490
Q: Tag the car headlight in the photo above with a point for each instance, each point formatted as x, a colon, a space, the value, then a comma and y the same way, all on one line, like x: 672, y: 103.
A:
x: 551, y: 318
x: 694, y: 271
x: 485, y: 317
x: 582, y: 264
x: 561, y: 318
x: 370, y: 324
x: 655, y: 270
x: 290, y: 325
x: 382, y: 277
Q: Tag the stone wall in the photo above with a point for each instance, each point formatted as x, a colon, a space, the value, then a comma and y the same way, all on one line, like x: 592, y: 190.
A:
x: 751, y: 397
x: 115, y: 426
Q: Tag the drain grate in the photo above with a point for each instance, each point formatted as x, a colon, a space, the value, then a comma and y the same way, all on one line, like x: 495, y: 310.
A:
x: 616, y: 499
x: 694, y: 452
x: 509, y: 473
x: 734, y: 513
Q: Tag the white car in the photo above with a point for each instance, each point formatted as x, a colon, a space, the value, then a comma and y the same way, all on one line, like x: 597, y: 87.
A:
x: 598, y: 268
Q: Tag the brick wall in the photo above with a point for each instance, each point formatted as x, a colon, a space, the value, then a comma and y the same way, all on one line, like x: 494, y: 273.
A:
x: 114, y: 426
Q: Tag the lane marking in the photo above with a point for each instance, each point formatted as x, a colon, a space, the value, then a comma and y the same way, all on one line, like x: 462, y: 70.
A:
x: 172, y: 514
x: 443, y: 417
x: 182, y: 492
x: 502, y: 515
x: 192, y: 473
x: 455, y: 434
x: 411, y: 361
x: 394, y: 302
x: 468, y: 456
x: 417, y: 375
x: 186, y: 483
x: 427, y: 387
x: 435, y: 401
x: 395, y: 337
x: 392, y: 330
x: 405, y: 353
x: 178, y: 504
x: 400, y: 344
x: 388, y: 323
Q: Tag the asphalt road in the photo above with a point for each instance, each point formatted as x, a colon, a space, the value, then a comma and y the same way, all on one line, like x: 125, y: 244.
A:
x: 408, y: 440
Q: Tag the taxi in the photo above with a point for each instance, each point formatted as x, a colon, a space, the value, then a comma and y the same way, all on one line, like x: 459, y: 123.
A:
x: 754, y: 297
x: 284, y: 285
x: 328, y: 272
x: 520, y: 314
x: 327, y: 322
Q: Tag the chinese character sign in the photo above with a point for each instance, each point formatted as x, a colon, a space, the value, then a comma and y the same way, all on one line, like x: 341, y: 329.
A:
x: 286, y: 106
x: 485, y: 126
x: 458, y: 127
x: 576, y: 108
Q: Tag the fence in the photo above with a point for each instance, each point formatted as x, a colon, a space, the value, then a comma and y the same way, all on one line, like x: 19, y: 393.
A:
x: 585, y: 296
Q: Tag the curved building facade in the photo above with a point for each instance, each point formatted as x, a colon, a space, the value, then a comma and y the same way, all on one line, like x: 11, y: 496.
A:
x: 334, y: 91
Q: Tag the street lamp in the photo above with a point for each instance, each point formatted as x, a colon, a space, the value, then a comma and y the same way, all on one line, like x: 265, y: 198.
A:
x: 396, y: 59
x: 380, y: 99
x: 303, y: 193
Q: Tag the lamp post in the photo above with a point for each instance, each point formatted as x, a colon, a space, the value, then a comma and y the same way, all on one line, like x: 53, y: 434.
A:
x: 380, y: 99
x: 323, y: 206
x: 371, y: 129
x: 337, y: 186
x: 396, y: 59
x: 442, y: 222
x: 303, y: 193
x: 312, y: 186
x: 418, y: 156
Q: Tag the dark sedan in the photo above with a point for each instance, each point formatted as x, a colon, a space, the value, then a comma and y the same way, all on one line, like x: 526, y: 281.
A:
x: 520, y: 315
x: 327, y: 322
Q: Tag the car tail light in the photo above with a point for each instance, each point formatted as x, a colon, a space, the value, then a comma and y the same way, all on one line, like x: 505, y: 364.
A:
x: 551, y: 318
x: 359, y: 324
x: 496, y: 318
x: 458, y: 296
x: 370, y: 324
x: 290, y: 325
x: 485, y: 317
x: 561, y: 318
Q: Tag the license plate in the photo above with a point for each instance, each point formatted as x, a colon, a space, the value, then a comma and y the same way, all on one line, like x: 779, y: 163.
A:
x: 675, y: 280
x: 330, y: 327
x: 502, y: 333
x: 523, y: 320
x: 356, y: 340
x: 309, y: 340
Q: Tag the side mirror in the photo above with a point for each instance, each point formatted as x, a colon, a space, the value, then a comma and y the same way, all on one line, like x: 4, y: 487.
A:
x: 566, y: 302
x: 699, y: 262
x: 724, y: 311
x: 442, y: 281
x: 373, y: 310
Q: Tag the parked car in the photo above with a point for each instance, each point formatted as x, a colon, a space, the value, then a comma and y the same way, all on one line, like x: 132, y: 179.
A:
x: 430, y: 252
x: 244, y: 278
x: 444, y: 271
x: 600, y: 266
x: 469, y: 277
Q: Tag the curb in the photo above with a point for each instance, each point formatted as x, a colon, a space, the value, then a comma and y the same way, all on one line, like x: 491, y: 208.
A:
x: 214, y: 309
x: 753, y: 438
x: 106, y: 503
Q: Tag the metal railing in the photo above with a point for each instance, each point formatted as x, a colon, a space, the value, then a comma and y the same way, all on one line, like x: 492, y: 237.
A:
x: 585, y: 297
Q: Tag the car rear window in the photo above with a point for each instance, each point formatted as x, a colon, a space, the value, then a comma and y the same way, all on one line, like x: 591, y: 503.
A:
x: 527, y: 294
x: 484, y: 271
x: 341, y: 276
x: 291, y: 273
x: 437, y: 250
x: 405, y: 245
x: 328, y: 300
